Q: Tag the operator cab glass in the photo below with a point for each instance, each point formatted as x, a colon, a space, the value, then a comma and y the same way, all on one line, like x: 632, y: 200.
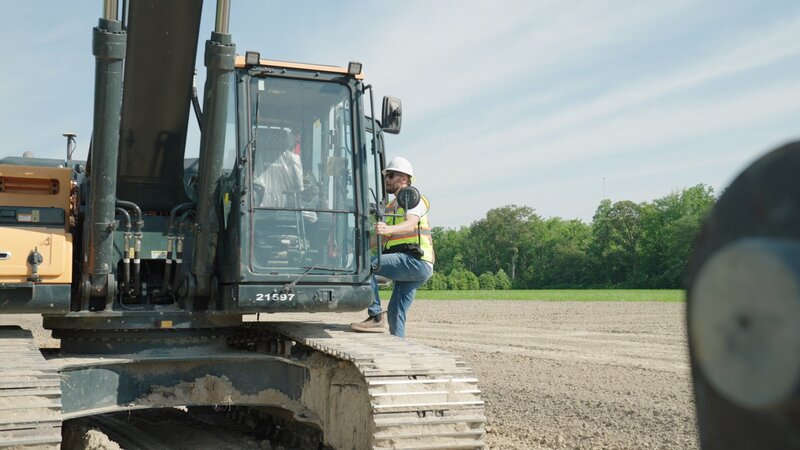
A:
x: 302, y: 191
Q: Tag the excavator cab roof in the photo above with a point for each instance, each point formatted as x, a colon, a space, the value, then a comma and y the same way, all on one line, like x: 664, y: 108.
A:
x: 241, y: 63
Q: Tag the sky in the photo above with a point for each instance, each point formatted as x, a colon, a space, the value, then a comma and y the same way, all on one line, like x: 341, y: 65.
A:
x: 549, y: 104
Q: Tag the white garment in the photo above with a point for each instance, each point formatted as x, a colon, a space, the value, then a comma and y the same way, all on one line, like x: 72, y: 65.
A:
x: 281, y: 178
x: 420, y: 210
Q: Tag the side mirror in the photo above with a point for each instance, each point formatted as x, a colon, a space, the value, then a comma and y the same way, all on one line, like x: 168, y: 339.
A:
x: 391, y: 115
x: 408, y: 197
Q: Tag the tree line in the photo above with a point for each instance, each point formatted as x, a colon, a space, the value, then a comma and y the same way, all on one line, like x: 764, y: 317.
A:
x: 627, y: 245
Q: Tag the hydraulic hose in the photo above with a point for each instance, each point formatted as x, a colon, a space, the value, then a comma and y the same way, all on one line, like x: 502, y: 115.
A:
x: 171, y: 240
x: 165, y: 285
x: 174, y: 212
x: 130, y: 205
x: 137, y: 245
x: 126, y: 238
x: 198, y: 112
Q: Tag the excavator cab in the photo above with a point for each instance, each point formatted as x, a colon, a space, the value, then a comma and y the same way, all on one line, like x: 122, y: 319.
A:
x: 297, y: 179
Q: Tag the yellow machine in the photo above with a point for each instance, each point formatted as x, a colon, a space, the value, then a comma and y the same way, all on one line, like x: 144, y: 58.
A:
x: 37, y: 243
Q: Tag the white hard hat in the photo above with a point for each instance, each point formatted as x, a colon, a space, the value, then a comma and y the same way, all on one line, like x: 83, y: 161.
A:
x: 399, y: 164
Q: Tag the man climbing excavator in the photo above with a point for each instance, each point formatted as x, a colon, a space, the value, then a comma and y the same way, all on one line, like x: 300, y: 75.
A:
x: 143, y: 262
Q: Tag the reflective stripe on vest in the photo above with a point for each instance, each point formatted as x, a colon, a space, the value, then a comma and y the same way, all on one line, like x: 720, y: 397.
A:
x: 423, y: 238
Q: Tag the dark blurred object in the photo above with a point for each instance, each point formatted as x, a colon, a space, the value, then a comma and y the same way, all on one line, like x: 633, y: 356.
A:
x: 743, y: 310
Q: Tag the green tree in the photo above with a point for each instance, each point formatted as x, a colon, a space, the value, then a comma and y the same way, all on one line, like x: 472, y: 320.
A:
x: 561, y: 259
x: 626, y: 245
x: 503, y: 240
x: 437, y: 282
x: 449, y: 246
x: 501, y: 280
x: 472, y: 281
x: 456, y: 280
x: 669, y: 226
x: 487, y: 281
x: 599, y: 245
x: 625, y: 219
x: 462, y: 279
x: 616, y: 233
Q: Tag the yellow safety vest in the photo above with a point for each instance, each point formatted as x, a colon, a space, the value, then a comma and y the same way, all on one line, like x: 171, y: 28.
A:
x: 420, y: 236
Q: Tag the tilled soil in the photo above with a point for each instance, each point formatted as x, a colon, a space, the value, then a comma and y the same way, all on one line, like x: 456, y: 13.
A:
x: 573, y: 375
x: 605, y: 375
x: 593, y: 375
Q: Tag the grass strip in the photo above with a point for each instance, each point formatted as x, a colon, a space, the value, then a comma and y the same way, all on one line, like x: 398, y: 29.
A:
x: 556, y: 295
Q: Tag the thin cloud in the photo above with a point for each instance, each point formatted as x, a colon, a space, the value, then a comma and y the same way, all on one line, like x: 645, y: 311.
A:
x: 577, y: 120
x: 767, y: 47
x: 459, y: 60
x: 513, y: 161
x: 659, y: 126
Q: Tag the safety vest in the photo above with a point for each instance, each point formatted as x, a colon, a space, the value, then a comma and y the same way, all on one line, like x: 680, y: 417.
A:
x: 421, y: 235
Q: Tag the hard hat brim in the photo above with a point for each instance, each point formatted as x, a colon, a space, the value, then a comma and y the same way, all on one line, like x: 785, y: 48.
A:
x: 395, y: 170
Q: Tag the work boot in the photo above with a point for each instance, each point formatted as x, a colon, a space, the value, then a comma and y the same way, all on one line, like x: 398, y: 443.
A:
x: 373, y: 324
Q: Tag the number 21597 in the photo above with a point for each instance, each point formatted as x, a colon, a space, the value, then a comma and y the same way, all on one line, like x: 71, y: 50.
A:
x: 274, y: 297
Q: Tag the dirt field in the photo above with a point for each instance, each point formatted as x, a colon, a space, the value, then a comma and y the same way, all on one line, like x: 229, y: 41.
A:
x: 572, y: 375
x: 593, y: 375
x: 602, y: 375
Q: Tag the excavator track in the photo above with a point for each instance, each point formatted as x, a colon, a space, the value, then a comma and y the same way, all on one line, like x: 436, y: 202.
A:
x: 419, y: 397
x: 30, y: 394
x: 366, y: 390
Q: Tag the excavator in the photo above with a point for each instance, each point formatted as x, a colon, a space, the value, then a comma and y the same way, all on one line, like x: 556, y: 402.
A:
x: 144, y: 262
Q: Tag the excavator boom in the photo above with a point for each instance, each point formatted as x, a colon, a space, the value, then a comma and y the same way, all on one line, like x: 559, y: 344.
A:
x: 157, y: 93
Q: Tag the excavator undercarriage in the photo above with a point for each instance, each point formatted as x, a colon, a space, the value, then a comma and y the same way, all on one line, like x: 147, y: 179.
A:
x: 334, y: 387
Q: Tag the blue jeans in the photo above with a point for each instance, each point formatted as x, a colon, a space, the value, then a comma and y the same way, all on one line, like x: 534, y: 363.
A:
x: 408, y: 273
